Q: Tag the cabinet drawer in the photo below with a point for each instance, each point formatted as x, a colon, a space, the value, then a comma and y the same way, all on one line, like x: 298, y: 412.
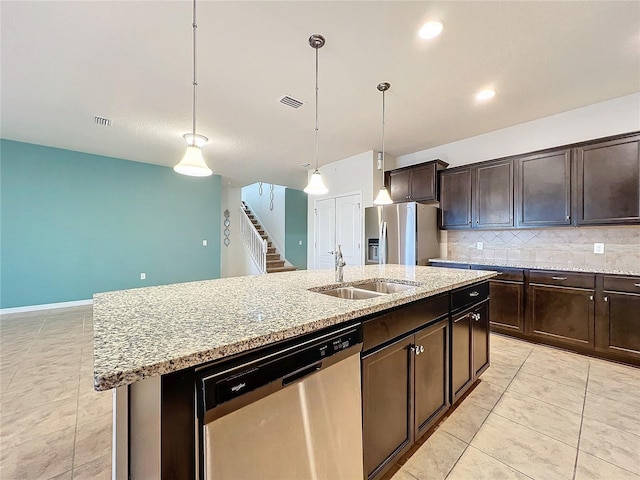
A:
x: 402, y: 320
x: 469, y: 295
x: 563, y: 279
x: 622, y: 284
x: 510, y: 274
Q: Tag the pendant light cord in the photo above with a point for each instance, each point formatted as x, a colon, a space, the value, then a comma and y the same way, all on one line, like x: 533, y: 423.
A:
x: 383, y: 92
x: 316, y: 108
x: 195, y: 83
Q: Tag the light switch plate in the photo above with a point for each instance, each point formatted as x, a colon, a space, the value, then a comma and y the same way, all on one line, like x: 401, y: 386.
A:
x: 299, y: 242
x: 143, y: 276
x: 204, y: 243
x: 598, y: 248
x: 480, y: 245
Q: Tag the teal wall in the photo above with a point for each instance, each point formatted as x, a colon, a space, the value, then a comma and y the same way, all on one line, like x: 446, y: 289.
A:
x: 73, y: 224
x: 295, y: 226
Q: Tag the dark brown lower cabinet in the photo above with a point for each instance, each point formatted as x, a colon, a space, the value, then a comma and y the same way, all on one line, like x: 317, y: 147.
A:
x: 404, y: 392
x: 618, y: 317
x: 469, y: 347
x: 561, y: 307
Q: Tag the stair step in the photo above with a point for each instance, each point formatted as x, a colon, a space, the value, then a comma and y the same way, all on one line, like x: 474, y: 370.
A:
x: 271, y: 250
x: 281, y: 269
x: 275, y: 263
x: 273, y: 256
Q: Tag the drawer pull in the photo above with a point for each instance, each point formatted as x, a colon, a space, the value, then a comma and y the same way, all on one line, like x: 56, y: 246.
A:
x: 606, y: 299
x: 474, y: 294
x: 559, y: 278
x: 636, y: 284
x: 590, y: 297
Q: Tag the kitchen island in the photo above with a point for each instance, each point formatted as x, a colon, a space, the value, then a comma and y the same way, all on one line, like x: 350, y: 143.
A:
x: 146, y: 337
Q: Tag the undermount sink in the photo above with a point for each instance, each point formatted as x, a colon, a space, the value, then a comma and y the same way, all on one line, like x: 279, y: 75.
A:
x: 351, y: 293
x: 361, y: 291
x: 382, y: 286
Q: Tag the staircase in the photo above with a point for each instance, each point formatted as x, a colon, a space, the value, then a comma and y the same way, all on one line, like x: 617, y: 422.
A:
x: 274, y: 262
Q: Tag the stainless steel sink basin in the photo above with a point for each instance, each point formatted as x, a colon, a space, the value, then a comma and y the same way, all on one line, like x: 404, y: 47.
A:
x: 383, y: 287
x: 351, y: 293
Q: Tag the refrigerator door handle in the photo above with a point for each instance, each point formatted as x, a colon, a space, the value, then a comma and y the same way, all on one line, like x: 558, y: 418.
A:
x: 383, y: 243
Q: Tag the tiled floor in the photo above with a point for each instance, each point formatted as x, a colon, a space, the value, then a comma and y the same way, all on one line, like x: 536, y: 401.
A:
x: 538, y: 413
x: 53, y: 425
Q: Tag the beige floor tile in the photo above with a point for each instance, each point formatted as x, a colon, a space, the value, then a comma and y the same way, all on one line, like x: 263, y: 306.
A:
x: 479, y: 466
x: 611, y: 444
x: 499, y: 373
x: 436, y: 457
x: 93, y: 405
x: 98, y: 469
x: 403, y: 474
x: 485, y: 394
x: 542, y: 417
x: 27, y: 424
x: 506, y: 358
x: 615, y: 414
x: 93, y: 440
x: 615, y: 371
x: 549, y: 391
x: 63, y: 476
x: 592, y: 468
x: 525, y: 450
x: 39, y: 458
x: 554, y: 368
x: 465, y: 421
x: 23, y: 395
x: 614, y: 389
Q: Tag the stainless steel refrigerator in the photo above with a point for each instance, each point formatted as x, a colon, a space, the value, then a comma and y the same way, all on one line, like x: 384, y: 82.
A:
x: 403, y: 233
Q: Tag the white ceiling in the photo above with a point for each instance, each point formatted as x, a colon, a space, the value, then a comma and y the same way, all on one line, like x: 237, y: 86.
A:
x: 64, y: 62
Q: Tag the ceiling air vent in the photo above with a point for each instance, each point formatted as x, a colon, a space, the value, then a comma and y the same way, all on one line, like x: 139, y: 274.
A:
x: 105, y: 122
x: 290, y: 101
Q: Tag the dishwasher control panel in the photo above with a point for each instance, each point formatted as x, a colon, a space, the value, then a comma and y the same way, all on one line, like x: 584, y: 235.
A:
x: 289, y: 365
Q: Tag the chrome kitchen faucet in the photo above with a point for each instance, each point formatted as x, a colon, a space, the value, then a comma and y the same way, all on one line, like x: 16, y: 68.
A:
x: 339, y: 264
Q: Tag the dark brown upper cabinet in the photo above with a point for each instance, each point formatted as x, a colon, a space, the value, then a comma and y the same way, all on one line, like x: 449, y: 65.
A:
x: 417, y: 183
x: 455, y: 198
x: 608, y: 182
x: 492, y: 195
x: 543, y: 189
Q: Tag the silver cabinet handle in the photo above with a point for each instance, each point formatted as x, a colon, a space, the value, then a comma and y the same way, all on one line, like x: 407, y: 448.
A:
x: 474, y: 294
x: 636, y: 284
x: 606, y: 299
x: 568, y: 217
x: 476, y: 317
x: 559, y: 278
x: 417, y: 349
x: 590, y: 297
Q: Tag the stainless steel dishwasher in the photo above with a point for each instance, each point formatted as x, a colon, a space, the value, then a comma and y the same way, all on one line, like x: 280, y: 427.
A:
x: 293, y: 414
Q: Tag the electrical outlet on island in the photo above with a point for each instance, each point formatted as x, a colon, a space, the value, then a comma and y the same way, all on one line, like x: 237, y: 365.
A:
x: 598, y: 248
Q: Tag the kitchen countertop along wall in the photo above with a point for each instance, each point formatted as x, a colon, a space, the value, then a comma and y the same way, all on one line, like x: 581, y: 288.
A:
x: 557, y: 248
x: 152, y: 331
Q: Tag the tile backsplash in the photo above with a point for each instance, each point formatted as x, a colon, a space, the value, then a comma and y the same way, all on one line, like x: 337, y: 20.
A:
x: 571, y: 247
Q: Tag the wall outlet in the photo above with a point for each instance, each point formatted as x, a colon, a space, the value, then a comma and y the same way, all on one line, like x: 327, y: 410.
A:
x: 143, y: 276
x: 299, y: 242
x: 598, y: 248
x: 480, y: 245
x: 204, y: 243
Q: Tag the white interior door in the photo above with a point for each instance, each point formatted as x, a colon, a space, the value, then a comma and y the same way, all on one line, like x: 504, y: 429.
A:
x: 338, y: 221
x: 325, y: 232
x: 349, y: 228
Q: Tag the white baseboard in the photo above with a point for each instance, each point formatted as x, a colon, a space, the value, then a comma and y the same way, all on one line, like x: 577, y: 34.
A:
x: 46, y: 306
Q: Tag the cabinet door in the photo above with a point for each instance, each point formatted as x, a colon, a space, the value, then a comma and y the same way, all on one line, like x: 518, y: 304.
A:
x: 480, y: 344
x: 608, y: 182
x: 423, y: 183
x: 399, y: 186
x: 431, y: 375
x: 386, y: 404
x: 493, y: 195
x: 543, y: 189
x: 455, y: 199
x: 619, y: 326
x: 461, y: 368
x: 506, y: 307
x: 561, y: 314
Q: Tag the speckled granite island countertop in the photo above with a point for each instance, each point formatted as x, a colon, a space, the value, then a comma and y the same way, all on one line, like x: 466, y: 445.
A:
x: 152, y: 331
x: 632, y: 270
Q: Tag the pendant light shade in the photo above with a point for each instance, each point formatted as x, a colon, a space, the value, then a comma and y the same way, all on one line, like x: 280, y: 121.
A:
x: 383, y: 197
x: 316, y: 185
x: 193, y: 163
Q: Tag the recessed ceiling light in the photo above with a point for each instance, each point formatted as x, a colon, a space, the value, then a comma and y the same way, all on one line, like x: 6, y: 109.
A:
x: 431, y: 29
x: 485, y: 94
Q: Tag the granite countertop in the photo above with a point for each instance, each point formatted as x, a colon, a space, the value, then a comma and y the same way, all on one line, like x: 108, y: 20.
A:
x: 145, y: 332
x: 540, y: 266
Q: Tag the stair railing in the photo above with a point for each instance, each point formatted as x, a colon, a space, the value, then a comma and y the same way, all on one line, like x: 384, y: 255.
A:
x: 256, y: 245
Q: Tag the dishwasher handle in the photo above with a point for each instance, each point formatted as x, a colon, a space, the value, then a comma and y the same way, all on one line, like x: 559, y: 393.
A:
x: 303, y: 372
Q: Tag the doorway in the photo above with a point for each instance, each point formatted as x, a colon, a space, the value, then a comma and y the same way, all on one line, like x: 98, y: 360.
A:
x: 338, y: 221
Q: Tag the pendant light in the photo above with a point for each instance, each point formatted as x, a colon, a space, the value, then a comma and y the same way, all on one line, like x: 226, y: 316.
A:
x: 192, y: 163
x: 383, y: 197
x: 316, y: 185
